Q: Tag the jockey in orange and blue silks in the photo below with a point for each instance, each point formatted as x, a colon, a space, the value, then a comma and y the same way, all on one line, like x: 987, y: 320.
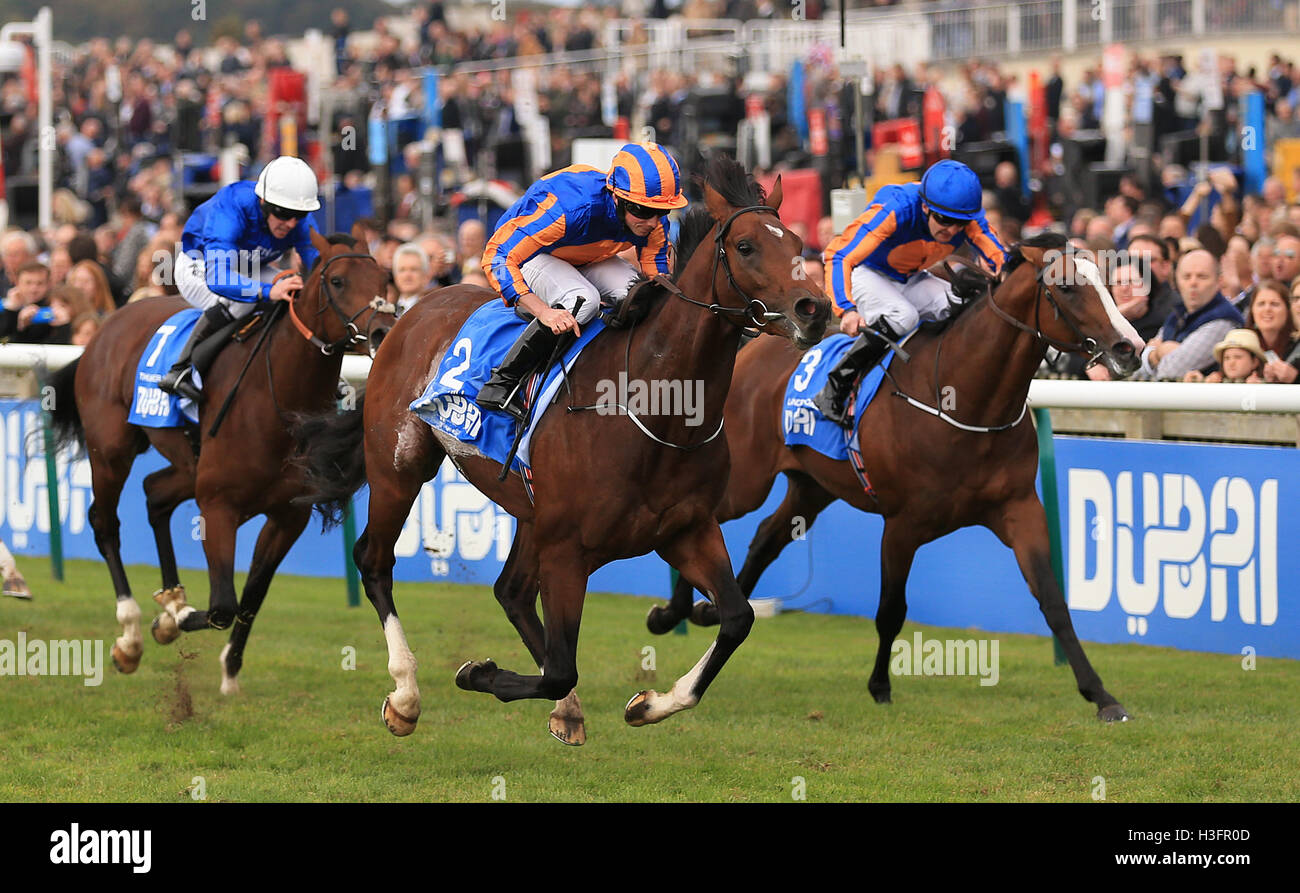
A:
x: 876, y: 270
x: 555, y: 251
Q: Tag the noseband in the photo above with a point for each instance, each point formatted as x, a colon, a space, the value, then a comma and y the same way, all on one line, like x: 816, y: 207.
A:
x: 1084, y: 345
x: 352, y: 332
x: 755, y: 312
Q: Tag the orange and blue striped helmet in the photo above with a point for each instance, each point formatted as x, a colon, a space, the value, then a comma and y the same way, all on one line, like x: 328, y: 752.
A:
x: 644, y: 174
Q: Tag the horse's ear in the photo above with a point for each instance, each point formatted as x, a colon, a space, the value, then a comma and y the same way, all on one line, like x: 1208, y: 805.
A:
x: 319, y: 242
x: 774, y: 197
x: 359, y: 233
x: 719, y: 209
x: 1036, y: 256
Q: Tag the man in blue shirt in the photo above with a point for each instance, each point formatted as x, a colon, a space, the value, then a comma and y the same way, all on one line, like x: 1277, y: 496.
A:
x: 225, y: 243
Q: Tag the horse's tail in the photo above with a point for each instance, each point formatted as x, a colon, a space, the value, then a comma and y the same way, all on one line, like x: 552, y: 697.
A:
x: 332, y: 456
x: 65, y: 418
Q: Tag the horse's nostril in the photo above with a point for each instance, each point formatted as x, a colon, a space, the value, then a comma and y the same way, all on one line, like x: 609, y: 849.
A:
x: 1123, y: 349
x: 806, y: 308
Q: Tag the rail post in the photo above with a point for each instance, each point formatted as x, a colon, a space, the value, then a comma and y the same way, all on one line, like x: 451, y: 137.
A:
x: 1051, y: 503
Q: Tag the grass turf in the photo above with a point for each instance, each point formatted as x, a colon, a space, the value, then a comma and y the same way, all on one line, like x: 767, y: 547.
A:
x: 789, y: 715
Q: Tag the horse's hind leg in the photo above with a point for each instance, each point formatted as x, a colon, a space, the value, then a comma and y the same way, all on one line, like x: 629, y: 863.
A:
x: 1022, y: 525
x: 277, y: 537
x: 164, y: 490
x: 563, y: 576
x: 112, y: 453
x: 392, y: 493
x: 804, y: 501
x: 898, y: 545
x: 517, y: 589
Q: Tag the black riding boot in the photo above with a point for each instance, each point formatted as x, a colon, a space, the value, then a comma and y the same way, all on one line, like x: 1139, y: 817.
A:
x: 534, y: 347
x: 178, y: 381
x: 868, y: 350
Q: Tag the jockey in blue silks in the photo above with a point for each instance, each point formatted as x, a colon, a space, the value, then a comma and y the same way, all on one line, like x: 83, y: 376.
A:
x: 232, y: 234
x: 559, y: 244
x: 876, y: 269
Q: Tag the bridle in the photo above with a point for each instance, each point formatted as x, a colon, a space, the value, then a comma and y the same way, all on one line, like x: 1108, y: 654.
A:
x: 353, y: 334
x: 1084, y: 345
x: 755, y: 313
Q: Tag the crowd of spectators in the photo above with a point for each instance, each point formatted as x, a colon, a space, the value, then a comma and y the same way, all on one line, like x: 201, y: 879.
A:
x: 126, y: 107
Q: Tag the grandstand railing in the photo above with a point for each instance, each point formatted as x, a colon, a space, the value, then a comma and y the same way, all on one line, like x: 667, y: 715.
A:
x: 942, y: 32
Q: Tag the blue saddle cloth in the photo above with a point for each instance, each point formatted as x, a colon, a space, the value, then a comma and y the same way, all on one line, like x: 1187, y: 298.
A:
x: 447, y: 403
x: 153, y: 407
x: 803, y: 423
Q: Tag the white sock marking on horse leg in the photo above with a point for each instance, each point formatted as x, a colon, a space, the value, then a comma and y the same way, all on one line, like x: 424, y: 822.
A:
x: 229, y: 684
x: 401, y: 666
x: 682, y: 696
x: 128, y: 614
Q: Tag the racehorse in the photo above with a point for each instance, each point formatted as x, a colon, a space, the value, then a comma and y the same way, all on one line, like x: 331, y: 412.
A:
x: 932, y: 474
x: 603, y: 489
x: 243, y: 470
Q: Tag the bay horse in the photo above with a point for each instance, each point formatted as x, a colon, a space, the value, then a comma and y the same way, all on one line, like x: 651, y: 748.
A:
x: 603, y: 489
x: 931, y: 477
x: 242, y: 471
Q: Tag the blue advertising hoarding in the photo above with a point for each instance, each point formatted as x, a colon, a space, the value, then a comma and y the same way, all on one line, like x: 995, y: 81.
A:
x: 1182, y: 545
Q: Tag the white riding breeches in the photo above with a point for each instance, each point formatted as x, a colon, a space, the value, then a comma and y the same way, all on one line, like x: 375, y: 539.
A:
x: 192, y: 282
x: 555, y: 281
x: 902, y: 305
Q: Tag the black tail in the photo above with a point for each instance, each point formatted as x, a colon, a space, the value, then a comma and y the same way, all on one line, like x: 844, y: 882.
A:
x: 62, y: 403
x: 332, y: 455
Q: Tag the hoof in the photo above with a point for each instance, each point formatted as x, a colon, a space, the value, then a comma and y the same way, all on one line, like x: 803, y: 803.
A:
x: 566, y: 730
x: 164, y: 629
x: 660, y: 620
x: 882, y: 696
x: 398, y: 724
x: 637, y: 711
x: 704, y: 614
x: 1113, y: 713
x: 124, y: 662
x: 476, y: 675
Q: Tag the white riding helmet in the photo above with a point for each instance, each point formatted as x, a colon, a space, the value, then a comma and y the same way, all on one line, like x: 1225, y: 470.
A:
x: 288, y: 182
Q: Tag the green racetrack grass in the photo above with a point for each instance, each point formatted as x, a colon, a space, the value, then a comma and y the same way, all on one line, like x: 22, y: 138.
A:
x: 792, y: 704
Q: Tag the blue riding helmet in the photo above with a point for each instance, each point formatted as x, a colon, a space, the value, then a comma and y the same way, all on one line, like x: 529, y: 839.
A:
x: 952, y: 189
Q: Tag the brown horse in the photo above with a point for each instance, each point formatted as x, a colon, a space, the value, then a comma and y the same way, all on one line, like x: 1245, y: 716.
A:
x: 603, y: 489
x: 931, y: 477
x: 241, y: 472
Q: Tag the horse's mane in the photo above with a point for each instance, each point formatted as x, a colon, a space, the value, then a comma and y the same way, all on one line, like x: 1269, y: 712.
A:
x: 969, y: 286
x: 736, y: 186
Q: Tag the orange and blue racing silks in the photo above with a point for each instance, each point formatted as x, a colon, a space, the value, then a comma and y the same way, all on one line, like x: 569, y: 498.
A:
x: 571, y: 215
x: 893, y: 238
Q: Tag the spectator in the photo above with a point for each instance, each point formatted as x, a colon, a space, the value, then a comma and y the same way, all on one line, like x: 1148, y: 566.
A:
x: 471, y: 239
x: 1186, y: 340
x: 60, y: 265
x: 1271, y: 319
x: 1286, y: 257
x: 84, y: 327
x: 88, y: 278
x: 1009, y: 198
x: 410, y: 275
x: 1239, y: 359
x: 17, y: 249
x: 134, y: 234
x: 1121, y: 211
x: 28, y: 317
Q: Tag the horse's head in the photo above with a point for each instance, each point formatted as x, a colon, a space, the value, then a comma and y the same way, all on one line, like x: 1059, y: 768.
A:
x: 1080, y: 315
x: 757, y: 262
x: 346, y: 296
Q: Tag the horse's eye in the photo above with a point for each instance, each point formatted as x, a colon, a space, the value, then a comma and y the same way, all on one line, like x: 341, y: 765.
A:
x: 745, y: 247
x: 336, y: 281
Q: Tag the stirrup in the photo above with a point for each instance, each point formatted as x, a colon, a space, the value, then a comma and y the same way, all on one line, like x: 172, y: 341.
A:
x: 181, y: 385
x: 503, y: 400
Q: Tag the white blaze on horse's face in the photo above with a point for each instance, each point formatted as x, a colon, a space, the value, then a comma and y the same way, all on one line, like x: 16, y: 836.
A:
x: 1089, y: 272
x: 775, y: 230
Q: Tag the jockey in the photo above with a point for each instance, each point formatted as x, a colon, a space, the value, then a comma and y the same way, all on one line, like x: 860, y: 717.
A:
x: 876, y: 269
x: 232, y: 234
x: 559, y: 243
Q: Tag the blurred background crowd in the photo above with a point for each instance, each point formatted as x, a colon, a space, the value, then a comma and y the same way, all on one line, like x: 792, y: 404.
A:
x: 425, y: 163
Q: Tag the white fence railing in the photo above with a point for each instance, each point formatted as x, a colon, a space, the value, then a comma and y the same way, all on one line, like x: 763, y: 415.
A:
x: 1043, y: 393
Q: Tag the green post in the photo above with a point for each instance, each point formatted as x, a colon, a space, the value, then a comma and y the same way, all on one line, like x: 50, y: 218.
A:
x: 680, y: 629
x: 1052, y: 504
x: 52, y: 491
x: 350, y: 566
